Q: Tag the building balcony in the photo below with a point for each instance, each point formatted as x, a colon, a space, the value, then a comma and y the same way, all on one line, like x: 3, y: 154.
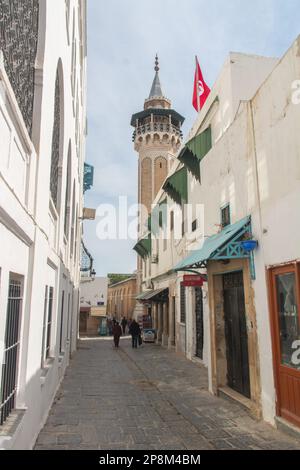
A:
x: 157, y: 128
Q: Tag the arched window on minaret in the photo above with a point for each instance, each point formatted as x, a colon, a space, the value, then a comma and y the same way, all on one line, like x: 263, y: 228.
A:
x: 160, y: 173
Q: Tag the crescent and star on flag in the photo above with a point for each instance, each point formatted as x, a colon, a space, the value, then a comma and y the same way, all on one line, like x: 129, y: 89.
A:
x: 201, y: 89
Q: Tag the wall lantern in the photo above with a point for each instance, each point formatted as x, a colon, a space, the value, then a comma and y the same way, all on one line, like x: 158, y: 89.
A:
x: 249, y: 245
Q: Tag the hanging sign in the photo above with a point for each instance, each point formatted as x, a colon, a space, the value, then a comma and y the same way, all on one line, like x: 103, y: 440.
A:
x: 193, y: 281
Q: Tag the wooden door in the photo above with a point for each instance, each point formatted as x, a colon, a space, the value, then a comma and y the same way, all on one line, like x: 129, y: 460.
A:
x: 236, y: 335
x: 284, y: 287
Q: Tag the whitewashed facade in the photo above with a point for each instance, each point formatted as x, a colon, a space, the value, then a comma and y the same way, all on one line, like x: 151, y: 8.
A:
x: 252, y: 167
x: 41, y: 196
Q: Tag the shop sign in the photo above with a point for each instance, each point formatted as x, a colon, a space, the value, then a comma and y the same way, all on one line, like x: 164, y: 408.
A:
x: 193, y: 281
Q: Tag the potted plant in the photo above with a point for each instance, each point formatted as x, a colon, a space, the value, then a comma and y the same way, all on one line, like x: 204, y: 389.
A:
x: 248, y: 243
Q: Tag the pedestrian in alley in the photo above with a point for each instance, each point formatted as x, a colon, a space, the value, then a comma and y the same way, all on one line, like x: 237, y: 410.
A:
x: 117, y: 333
x: 109, y: 326
x: 135, y: 332
x: 124, y: 324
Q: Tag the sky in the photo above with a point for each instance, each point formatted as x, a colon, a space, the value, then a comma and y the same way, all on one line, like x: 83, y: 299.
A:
x: 123, y: 38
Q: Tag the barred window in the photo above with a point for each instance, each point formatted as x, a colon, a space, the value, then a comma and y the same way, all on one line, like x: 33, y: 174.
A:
x: 73, y: 223
x: 19, y: 21
x: 11, y: 349
x: 49, y: 323
x: 55, y: 142
x: 61, y: 345
x: 69, y: 318
x: 68, y: 195
x: 44, y: 326
x: 225, y: 216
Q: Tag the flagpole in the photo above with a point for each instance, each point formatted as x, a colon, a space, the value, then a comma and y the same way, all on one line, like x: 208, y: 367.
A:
x: 197, y: 75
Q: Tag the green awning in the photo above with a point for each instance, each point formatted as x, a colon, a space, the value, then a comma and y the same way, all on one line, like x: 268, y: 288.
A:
x: 144, y: 246
x: 153, y: 294
x: 195, y: 150
x: 147, y: 244
x: 213, y: 244
x: 140, y: 251
x: 176, y: 186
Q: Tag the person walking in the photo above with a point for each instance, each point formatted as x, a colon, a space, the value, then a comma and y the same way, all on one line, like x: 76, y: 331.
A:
x: 124, y: 324
x: 135, y: 332
x: 117, y: 333
x: 109, y: 326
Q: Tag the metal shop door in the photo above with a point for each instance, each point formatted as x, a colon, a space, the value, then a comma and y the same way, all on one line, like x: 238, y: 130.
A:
x: 236, y: 335
x: 199, y: 322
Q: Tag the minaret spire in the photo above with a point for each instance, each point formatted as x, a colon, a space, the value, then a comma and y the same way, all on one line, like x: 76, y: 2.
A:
x: 156, y: 68
x: 156, y: 90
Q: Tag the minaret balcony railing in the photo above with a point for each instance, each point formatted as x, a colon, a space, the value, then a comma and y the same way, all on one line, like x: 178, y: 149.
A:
x: 157, y: 127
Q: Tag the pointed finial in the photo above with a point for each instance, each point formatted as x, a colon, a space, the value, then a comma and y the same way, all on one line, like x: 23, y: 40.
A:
x: 156, y: 64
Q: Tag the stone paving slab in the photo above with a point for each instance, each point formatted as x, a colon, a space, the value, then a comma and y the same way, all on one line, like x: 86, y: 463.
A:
x: 149, y: 399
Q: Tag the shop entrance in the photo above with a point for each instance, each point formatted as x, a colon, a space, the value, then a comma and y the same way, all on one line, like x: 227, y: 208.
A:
x: 199, y: 322
x: 236, y: 336
x: 284, y: 286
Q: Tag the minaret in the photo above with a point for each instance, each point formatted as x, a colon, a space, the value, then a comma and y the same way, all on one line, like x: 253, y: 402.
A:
x: 157, y: 139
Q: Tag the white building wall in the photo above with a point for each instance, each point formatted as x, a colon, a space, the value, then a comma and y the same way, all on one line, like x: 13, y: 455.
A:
x: 254, y: 165
x: 31, y: 230
x: 277, y: 149
x: 94, y: 291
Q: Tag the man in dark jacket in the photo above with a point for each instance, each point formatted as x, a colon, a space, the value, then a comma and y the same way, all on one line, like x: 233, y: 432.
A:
x: 117, y: 333
x: 135, y: 332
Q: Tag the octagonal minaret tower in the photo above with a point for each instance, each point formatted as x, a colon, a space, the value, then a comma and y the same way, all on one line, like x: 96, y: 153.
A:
x: 157, y: 139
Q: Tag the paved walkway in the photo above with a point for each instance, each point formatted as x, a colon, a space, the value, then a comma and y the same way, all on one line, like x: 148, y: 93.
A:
x: 149, y: 398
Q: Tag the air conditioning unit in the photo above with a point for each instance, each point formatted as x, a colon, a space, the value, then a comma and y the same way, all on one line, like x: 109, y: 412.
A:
x: 154, y: 259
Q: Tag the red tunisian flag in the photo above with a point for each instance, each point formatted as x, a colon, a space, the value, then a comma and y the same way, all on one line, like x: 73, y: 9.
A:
x: 201, y: 90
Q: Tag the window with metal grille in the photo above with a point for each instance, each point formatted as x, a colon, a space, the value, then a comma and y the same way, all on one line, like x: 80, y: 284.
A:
x: 182, y: 304
x: 54, y: 177
x: 19, y: 27
x: 62, y: 322
x: 44, y: 326
x: 225, y: 216
x: 69, y: 313
x: 49, y: 323
x: 11, y: 350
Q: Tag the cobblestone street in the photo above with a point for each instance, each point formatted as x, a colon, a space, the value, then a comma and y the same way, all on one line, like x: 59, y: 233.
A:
x: 149, y: 398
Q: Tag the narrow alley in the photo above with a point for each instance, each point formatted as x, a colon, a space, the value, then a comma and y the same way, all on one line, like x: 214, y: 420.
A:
x: 149, y: 398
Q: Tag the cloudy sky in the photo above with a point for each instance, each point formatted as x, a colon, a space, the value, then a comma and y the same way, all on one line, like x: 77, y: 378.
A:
x: 123, y: 38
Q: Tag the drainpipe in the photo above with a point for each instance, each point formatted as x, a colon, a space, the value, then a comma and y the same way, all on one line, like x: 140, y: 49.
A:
x: 255, y: 166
